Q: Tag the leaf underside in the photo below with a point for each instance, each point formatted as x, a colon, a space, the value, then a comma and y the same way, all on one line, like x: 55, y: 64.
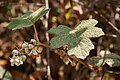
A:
x: 81, y: 50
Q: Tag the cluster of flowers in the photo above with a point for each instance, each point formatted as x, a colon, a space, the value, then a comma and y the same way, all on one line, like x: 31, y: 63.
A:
x: 27, y: 49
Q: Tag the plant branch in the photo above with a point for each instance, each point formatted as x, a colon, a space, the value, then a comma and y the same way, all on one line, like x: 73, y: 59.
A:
x: 113, y: 26
x: 44, y: 45
x: 36, y: 34
x: 83, y: 63
x: 102, y: 76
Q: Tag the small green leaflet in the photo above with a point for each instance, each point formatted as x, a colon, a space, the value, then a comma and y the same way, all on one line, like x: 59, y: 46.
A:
x: 27, y: 19
x: 111, y: 59
x: 77, y: 39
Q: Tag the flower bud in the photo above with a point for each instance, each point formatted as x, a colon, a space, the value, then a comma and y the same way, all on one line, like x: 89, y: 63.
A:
x: 39, y: 49
x: 23, y: 57
x: 25, y: 44
x: 26, y: 50
x: 15, y: 52
x: 33, y: 41
x: 30, y: 46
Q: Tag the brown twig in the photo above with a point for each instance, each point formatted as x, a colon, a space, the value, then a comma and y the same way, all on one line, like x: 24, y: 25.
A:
x: 113, y: 26
x: 36, y: 36
x: 102, y: 75
x: 83, y: 63
x: 44, y: 45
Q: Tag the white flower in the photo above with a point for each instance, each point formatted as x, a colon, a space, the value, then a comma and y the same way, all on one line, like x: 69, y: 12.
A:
x: 25, y: 44
x: 33, y: 51
x: 30, y: 46
x: 16, y: 60
x: 26, y: 50
x: 23, y: 57
x: 15, y: 52
x: 33, y: 40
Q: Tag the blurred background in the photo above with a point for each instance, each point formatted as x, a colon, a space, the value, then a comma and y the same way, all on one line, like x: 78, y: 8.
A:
x: 66, y: 12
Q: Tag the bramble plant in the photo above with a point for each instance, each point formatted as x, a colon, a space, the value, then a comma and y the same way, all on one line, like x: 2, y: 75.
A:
x: 76, y: 41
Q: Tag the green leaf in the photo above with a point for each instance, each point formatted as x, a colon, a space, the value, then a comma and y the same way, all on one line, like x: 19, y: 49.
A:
x: 7, y: 75
x: 77, y: 39
x: 19, y: 24
x: 27, y: 19
x: 62, y: 40
x: 61, y: 29
x: 38, y: 14
x: 25, y: 16
x: 96, y: 61
x: 63, y: 37
x: 81, y: 50
x: 111, y: 59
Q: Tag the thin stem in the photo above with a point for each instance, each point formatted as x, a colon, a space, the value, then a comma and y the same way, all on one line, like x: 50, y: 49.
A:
x: 110, y: 23
x: 44, y: 45
x: 102, y: 76
x: 36, y: 34
x: 83, y: 63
